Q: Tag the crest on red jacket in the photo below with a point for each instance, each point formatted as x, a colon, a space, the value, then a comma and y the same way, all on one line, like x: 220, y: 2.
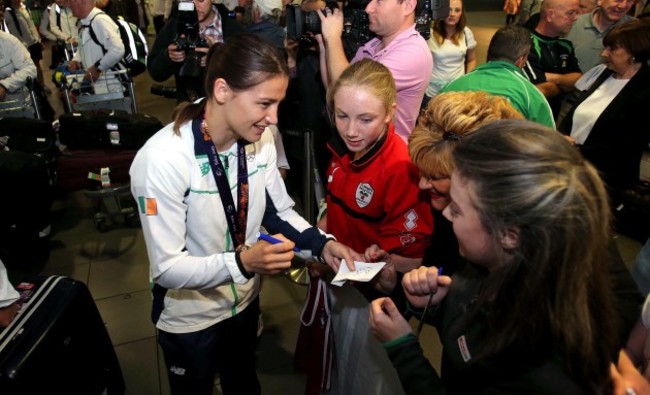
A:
x: 364, y: 194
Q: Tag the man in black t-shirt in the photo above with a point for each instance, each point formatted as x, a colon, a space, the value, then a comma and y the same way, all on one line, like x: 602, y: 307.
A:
x: 552, y: 64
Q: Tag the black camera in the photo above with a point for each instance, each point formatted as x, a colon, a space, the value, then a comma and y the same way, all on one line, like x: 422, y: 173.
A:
x: 302, y: 26
x: 430, y: 11
x: 188, y: 39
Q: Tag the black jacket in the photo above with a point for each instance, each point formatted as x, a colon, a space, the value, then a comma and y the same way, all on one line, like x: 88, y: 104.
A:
x: 161, y: 67
x: 616, y: 142
x: 513, y: 372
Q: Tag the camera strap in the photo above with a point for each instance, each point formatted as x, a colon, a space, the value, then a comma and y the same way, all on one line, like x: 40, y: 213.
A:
x: 236, y: 216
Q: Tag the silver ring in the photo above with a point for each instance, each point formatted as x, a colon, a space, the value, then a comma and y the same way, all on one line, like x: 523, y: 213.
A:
x: 630, y: 391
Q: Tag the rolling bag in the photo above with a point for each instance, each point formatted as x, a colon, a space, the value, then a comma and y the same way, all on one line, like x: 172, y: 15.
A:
x: 106, y: 129
x: 57, y: 343
x: 27, y: 198
x: 74, y: 167
x: 31, y: 135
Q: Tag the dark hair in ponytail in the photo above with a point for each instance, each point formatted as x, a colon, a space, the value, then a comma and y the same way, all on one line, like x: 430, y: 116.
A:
x: 243, y: 61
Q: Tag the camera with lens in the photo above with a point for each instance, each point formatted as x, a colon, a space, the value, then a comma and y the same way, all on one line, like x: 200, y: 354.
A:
x: 302, y: 26
x: 188, y: 39
x: 430, y: 11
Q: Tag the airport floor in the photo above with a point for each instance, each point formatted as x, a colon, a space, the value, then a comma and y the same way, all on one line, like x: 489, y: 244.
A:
x: 114, y: 265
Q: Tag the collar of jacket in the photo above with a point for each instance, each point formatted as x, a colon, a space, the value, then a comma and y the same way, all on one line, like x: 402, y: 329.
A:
x: 338, y: 147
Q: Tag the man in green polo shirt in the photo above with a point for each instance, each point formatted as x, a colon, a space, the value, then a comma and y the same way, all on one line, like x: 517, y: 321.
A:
x: 502, y: 75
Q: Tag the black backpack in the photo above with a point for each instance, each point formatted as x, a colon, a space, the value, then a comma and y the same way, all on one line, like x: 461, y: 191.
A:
x: 135, y: 44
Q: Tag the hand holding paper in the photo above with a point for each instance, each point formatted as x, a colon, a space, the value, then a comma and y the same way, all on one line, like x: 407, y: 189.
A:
x: 364, y: 273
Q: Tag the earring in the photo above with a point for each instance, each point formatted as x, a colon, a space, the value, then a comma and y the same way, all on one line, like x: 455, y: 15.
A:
x: 631, y: 60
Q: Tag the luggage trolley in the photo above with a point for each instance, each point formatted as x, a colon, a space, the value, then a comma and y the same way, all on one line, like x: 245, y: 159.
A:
x: 102, y: 175
x: 113, y: 90
x: 21, y: 104
x: 110, y: 209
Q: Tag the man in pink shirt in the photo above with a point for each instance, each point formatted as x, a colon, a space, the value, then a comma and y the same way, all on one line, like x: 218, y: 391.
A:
x: 398, y: 46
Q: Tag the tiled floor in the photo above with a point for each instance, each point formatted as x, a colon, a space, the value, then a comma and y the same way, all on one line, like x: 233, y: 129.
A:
x: 115, y: 267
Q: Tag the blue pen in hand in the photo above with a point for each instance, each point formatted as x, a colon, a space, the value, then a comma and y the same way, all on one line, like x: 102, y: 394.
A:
x: 273, y: 240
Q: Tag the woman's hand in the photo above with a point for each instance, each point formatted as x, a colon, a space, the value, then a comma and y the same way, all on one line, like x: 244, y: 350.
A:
x: 266, y: 258
x: 421, y: 282
x: 386, y: 280
x: 374, y: 253
x: 386, y: 322
x: 626, y: 379
x: 334, y: 252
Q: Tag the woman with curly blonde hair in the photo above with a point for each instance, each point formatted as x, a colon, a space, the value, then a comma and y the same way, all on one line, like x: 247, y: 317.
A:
x: 448, y: 118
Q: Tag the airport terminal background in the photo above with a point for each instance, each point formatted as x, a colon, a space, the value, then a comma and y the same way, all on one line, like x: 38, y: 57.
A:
x: 114, y: 264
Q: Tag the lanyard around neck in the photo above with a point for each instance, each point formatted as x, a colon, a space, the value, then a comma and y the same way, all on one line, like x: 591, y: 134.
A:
x: 236, y: 216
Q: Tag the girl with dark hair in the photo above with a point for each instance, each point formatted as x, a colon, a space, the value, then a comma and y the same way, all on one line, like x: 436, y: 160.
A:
x: 205, y: 186
x: 534, y: 311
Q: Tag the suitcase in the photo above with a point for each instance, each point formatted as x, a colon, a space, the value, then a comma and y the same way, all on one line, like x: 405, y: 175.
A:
x: 27, y: 199
x: 74, y: 166
x: 106, y: 129
x: 27, y: 135
x: 34, y: 136
x: 57, y: 343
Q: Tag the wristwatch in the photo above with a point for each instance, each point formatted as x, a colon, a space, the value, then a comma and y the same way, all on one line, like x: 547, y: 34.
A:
x: 240, y: 265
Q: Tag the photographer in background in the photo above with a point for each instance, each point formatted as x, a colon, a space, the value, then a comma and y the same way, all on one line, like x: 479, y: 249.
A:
x: 398, y: 46
x: 167, y: 59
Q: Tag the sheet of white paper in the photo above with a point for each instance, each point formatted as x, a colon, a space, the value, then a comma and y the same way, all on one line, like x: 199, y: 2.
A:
x: 364, y: 273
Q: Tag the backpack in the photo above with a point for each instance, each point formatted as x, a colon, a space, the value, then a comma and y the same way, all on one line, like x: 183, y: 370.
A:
x: 135, y: 44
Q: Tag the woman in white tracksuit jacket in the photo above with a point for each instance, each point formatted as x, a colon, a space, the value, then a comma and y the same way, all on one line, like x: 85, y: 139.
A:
x: 203, y: 265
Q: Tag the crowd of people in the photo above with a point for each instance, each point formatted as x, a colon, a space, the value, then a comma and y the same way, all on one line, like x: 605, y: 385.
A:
x: 490, y: 191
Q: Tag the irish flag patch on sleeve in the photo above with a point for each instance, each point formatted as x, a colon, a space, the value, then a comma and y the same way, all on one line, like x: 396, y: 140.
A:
x: 148, y: 206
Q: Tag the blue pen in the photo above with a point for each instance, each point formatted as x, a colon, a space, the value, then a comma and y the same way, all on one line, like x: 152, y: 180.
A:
x: 273, y: 240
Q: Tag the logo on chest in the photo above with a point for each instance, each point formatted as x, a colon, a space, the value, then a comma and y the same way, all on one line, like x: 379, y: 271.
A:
x: 205, y: 168
x: 363, y: 195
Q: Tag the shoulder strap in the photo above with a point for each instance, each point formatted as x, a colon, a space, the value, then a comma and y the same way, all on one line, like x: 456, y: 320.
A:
x: 57, y: 9
x: 15, y: 18
x: 92, y: 32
